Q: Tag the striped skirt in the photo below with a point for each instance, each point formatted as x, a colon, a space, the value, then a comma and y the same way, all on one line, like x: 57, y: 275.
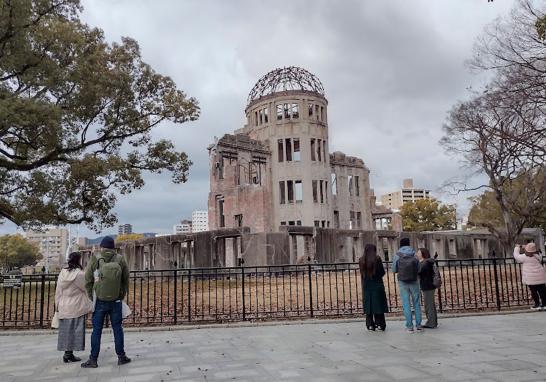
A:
x: 71, y: 334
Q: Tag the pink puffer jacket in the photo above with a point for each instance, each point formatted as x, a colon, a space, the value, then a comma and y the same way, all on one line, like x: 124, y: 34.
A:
x: 532, y: 271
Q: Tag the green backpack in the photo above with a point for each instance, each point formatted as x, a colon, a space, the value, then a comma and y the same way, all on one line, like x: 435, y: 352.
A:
x: 108, y: 285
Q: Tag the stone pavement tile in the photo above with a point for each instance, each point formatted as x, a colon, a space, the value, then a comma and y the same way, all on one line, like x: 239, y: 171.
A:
x: 515, y: 364
x: 478, y: 368
x: 449, y: 373
x: 516, y: 376
x: 400, y: 372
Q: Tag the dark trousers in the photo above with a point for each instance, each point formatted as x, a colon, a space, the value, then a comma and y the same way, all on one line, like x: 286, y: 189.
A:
x: 538, y: 292
x: 376, y: 320
x: 114, y: 310
x: 430, y: 308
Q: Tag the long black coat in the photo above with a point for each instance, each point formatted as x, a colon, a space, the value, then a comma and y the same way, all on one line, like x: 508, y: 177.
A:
x: 375, y: 299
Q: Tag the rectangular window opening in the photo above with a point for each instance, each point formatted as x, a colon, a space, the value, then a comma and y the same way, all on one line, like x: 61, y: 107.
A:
x: 286, y: 109
x: 299, y: 191
x: 333, y: 182
x: 288, y: 147
x: 279, y: 112
x: 310, y: 110
x: 280, y: 150
x: 297, y: 153
x: 282, y: 192
x: 266, y: 116
x: 290, y: 187
x: 350, y: 184
x: 319, y: 149
x: 313, y: 150
x: 321, y: 191
x: 357, y: 187
x: 315, y: 191
x: 238, y: 220
x: 295, y: 111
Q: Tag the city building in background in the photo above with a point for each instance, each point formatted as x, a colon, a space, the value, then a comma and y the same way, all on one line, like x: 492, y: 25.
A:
x: 395, y: 200
x: 277, y: 170
x: 199, y: 221
x: 52, y: 243
x: 185, y: 226
x: 125, y: 229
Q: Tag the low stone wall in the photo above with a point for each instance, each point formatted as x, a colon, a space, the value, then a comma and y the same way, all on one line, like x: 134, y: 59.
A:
x: 300, y: 245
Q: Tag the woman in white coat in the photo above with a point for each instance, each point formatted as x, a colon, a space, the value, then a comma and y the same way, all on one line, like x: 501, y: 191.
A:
x: 532, y: 273
x: 72, y: 305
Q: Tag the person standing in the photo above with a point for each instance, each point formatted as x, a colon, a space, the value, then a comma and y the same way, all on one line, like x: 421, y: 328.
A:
x: 375, y: 299
x: 532, y: 273
x: 406, y: 265
x: 426, y: 281
x: 72, y: 305
x: 107, y: 276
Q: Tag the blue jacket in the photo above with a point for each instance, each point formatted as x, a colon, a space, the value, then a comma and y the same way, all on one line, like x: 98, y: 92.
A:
x: 407, y: 250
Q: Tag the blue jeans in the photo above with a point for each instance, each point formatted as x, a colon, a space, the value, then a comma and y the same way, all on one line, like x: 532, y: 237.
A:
x: 113, y: 309
x: 409, y: 293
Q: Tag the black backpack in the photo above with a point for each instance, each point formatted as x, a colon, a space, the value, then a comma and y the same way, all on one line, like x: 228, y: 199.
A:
x: 407, y: 268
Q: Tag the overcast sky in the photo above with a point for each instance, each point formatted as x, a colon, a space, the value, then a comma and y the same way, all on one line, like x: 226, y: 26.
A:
x: 391, y: 70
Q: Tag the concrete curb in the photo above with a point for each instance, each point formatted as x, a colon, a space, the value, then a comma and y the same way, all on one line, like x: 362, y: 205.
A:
x: 248, y: 324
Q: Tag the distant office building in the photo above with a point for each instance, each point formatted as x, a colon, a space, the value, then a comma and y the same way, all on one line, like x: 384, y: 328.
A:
x: 125, y: 229
x: 52, y: 244
x: 185, y: 226
x: 199, y: 221
x: 408, y: 193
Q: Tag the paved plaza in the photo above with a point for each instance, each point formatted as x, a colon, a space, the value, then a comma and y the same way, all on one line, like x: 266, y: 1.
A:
x: 479, y: 348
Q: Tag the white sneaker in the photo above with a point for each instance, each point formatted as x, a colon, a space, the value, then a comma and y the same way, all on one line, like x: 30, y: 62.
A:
x: 536, y: 308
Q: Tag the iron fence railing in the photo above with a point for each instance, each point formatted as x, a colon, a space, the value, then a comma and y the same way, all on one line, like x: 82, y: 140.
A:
x: 206, y: 295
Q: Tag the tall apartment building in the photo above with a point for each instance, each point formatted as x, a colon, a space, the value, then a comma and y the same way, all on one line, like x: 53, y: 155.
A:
x: 185, y: 226
x: 408, y: 193
x: 277, y: 169
x: 125, y: 229
x: 199, y: 221
x: 52, y: 244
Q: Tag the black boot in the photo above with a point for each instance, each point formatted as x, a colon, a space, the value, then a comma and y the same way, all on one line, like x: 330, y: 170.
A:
x: 123, y: 359
x: 90, y: 364
x: 69, y: 357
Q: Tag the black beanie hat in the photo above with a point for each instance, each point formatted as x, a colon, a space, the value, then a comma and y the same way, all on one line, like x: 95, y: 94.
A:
x: 107, y: 242
x: 404, y: 242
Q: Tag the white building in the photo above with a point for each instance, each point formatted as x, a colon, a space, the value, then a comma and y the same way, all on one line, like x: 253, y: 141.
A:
x: 52, y: 243
x: 125, y: 229
x: 200, y: 221
x: 185, y: 226
x: 395, y: 200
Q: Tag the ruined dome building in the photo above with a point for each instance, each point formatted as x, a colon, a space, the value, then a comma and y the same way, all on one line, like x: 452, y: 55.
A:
x: 277, y: 170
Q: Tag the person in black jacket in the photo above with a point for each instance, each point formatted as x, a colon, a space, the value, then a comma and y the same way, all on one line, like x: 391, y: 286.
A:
x: 375, y: 299
x: 426, y: 277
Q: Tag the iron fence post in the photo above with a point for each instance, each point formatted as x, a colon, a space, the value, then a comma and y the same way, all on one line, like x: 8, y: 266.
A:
x: 440, y: 305
x: 175, y: 296
x: 243, y: 290
x: 495, y: 272
x: 42, y: 291
x: 310, y: 287
x: 189, y: 295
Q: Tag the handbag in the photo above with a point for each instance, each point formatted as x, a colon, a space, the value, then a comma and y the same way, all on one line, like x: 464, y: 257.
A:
x: 125, y: 310
x: 55, y: 321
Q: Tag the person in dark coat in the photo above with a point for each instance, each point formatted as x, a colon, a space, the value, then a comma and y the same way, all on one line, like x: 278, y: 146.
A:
x: 426, y: 278
x: 375, y: 299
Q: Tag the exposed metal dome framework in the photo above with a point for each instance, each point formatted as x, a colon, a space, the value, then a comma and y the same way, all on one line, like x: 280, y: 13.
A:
x: 283, y: 79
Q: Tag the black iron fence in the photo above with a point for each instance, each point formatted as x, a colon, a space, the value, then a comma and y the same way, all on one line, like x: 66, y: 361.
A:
x: 205, y: 295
